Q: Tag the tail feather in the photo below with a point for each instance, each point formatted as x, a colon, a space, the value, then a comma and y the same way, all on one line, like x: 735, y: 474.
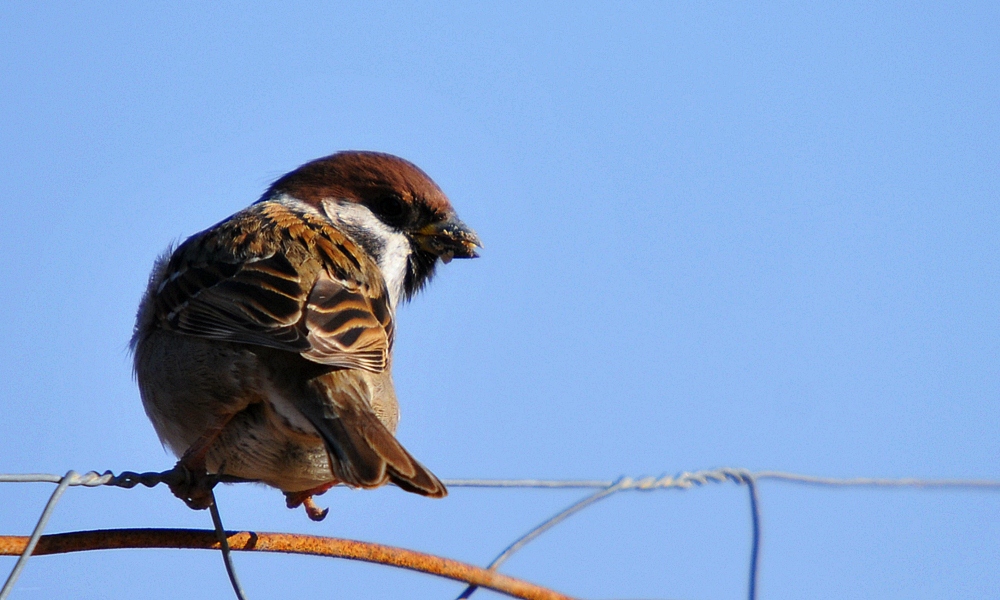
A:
x: 423, y: 482
x: 362, y: 452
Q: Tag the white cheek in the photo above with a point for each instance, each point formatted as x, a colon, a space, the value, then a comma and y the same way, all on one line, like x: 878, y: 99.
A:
x: 395, y: 247
x: 393, y: 265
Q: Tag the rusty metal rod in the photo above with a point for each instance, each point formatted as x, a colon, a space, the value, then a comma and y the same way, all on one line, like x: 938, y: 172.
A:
x: 289, y: 543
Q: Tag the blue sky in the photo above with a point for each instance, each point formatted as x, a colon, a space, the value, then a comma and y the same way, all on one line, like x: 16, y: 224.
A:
x: 759, y: 236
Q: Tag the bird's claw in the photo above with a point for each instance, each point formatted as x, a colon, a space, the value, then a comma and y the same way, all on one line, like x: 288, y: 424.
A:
x: 305, y: 499
x: 193, y: 486
x: 315, y: 513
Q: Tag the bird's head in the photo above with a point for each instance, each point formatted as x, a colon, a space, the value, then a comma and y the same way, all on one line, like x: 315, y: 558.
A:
x: 389, y: 207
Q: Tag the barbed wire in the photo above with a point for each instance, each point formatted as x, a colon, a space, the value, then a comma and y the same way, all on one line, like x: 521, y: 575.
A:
x: 37, y: 543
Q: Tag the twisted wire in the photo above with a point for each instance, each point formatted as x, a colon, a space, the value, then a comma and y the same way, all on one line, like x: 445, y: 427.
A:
x: 682, y: 481
x: 126, y: 479
x: 687, y: 480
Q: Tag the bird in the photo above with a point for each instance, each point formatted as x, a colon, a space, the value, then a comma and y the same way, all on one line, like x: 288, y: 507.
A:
x: 263, y: 345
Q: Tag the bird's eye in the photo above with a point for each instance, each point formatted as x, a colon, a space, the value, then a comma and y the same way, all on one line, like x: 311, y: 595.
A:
x: 389, y: 208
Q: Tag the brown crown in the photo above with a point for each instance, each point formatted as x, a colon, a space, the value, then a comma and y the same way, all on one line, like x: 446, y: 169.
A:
x: 357, y: 175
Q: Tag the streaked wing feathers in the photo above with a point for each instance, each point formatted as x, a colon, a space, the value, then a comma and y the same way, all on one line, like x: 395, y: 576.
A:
x: 343, y: 327
x: 257, y: 301
x: 289, y: 281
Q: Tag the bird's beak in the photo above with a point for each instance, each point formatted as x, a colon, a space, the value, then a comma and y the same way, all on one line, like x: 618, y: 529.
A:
x: 449, y: 239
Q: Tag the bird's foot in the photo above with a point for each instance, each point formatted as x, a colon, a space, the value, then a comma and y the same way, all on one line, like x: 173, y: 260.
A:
x: 192, y: 485
x: 315, y: 513
x: 305, y: 499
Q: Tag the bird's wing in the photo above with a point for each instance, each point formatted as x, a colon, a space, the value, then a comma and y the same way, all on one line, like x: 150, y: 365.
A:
x: 347, y: 327
x: 272, y: 277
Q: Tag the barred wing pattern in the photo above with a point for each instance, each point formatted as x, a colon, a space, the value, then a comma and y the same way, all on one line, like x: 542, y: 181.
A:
x: 273, y: 277
x: 346, y: 329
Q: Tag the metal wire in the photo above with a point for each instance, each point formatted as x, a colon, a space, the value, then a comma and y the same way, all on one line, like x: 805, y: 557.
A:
x: 755, y: 540
x: 43, y: 520
x: 686, y: 480
x: 682, y: 481
x: 227, y: 556
x: 284, y: 543
x: 542, y: 528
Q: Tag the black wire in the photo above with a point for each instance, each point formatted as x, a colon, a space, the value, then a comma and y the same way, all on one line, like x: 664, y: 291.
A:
x: 227, y: 556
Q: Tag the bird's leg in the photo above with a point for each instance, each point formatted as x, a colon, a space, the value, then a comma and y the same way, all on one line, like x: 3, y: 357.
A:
x: 192, y: 483
x: 305, y: 498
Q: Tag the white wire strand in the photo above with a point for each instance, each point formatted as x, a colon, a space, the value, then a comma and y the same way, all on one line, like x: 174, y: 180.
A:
x: 36, y: 535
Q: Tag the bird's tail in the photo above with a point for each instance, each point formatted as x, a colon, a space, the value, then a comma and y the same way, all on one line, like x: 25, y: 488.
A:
x: 363, y: 453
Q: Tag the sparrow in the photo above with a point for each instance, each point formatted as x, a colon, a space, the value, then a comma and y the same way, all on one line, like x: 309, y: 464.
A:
x: 263, y: 345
